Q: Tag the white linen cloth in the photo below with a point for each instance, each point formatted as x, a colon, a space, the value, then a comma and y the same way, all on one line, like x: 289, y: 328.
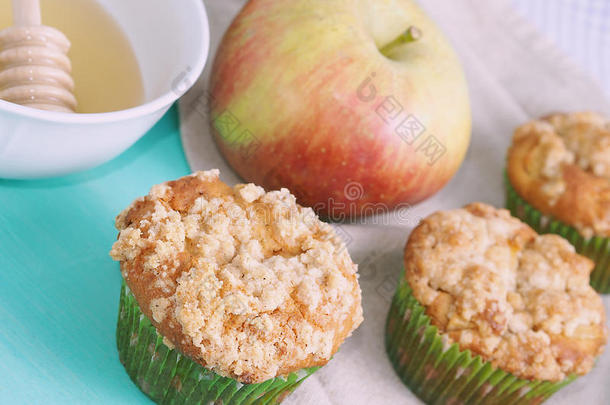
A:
x: 580, y: 28
x: 514, y: 74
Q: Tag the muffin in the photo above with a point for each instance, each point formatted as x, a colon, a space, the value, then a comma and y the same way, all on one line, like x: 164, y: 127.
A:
x: 230, y: 294
x: 558, y: 181
x: 490, y: 312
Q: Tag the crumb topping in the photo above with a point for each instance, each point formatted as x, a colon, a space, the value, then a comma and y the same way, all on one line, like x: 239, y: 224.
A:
x: 578, y: 138
x: 519, y: 299
x: 566, y: 151
x: 256, y: 285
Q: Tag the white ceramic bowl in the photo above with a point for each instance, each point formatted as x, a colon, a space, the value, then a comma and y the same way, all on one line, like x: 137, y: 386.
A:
x: 171, y: 41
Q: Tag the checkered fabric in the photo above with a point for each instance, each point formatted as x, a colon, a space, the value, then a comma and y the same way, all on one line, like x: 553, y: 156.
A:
x: 581, y: 28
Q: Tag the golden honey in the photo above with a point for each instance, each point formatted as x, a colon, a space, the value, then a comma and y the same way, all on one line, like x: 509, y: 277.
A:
x: 104, y: 68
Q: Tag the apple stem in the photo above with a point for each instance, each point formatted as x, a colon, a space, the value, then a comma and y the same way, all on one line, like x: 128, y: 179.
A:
x: 412, y: 34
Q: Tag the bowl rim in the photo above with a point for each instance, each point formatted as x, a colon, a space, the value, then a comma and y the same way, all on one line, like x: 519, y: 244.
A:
x: 165, y: 100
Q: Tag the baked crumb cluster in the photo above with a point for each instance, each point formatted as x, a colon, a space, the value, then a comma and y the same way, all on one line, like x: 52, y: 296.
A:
x: 582, y: 139
x: 247, y: 282
x: 566, y: 158
x: 519, y: 299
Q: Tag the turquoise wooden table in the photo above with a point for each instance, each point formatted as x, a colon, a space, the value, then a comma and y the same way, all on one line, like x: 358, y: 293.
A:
x: 59, y: 288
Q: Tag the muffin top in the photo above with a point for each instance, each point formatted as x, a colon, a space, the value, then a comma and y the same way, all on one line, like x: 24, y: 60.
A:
x: 247, y: 283
x: 493, y: 285
x: 561, y: 165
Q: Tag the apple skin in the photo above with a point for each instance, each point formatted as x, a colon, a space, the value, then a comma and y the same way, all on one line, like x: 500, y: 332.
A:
x: 302, y: 97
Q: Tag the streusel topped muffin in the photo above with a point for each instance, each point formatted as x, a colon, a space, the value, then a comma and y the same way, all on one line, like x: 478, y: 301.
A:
x: 520, y: 300
x: 245, y: 282
x: 560, y: 164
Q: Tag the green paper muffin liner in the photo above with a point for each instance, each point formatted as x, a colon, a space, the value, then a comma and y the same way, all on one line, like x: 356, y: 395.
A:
x: 595, y: 248
x: 447, y: 375
x: 168, y: 377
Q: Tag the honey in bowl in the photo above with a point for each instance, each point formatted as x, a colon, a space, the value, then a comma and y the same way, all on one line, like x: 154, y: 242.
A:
x: 104, y: 67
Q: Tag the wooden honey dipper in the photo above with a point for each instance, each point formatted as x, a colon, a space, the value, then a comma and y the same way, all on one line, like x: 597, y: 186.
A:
x: 34, y: 65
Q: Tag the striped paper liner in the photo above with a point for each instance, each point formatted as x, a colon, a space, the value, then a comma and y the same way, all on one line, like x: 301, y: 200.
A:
x: 168, y: 377
x: 447, y: 375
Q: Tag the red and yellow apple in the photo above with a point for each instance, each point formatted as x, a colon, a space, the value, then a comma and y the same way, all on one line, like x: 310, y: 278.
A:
x: 356, y: 106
